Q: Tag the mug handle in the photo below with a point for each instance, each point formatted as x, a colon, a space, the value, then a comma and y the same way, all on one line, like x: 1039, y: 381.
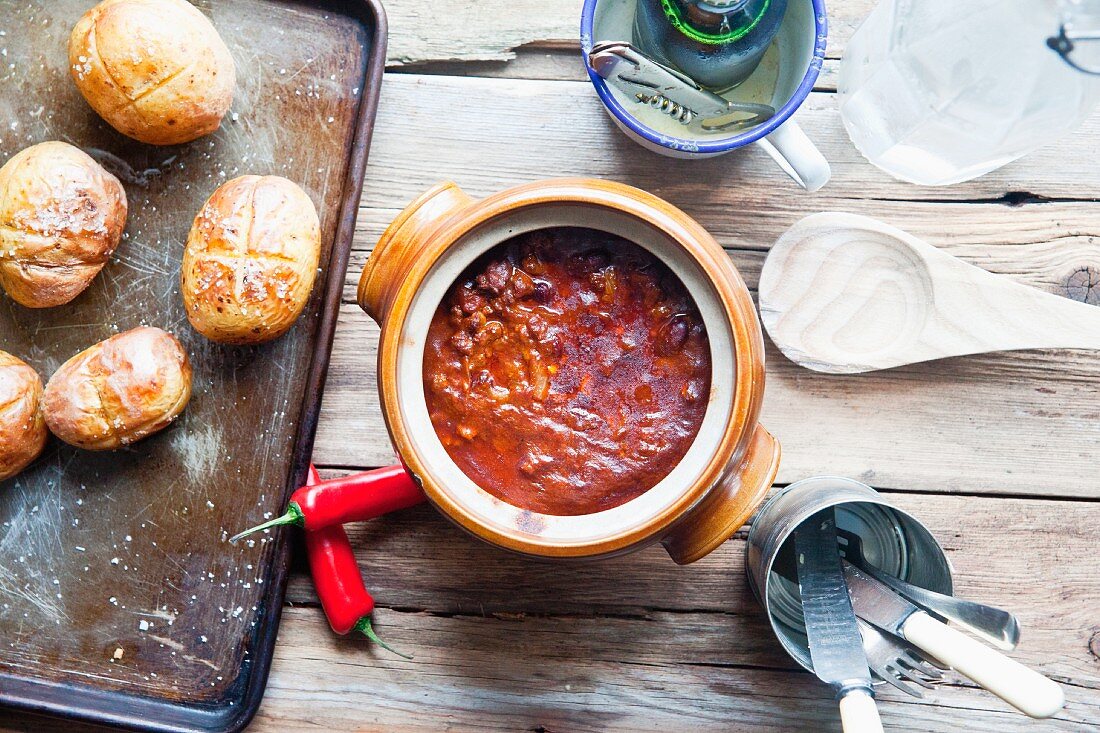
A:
x: 797, y: 156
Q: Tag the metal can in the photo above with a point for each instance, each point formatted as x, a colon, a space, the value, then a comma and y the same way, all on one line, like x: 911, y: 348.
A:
x: 893, y: 541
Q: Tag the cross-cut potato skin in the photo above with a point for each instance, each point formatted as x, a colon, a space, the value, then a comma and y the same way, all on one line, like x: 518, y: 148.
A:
x: 119, y: 391
x: 22, y: 428
x: 61, y: 217
x: 155, y: 70
x: 250, y: 260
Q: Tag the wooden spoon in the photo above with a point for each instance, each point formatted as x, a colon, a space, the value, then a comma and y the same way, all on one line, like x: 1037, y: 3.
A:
x: 842, y: 293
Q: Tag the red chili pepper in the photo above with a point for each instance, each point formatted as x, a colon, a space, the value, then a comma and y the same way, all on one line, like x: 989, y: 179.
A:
x: 345, y: 600
x: 339, y: 585
x: 354, y: 498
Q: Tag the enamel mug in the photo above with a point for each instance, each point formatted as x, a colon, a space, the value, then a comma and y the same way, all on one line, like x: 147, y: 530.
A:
x: 794, y: 61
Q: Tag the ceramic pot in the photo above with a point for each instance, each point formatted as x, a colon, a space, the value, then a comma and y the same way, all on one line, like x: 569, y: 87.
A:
x: 727, y: 470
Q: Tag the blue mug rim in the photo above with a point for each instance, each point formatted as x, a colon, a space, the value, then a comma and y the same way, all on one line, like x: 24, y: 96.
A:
x: 721, y: 145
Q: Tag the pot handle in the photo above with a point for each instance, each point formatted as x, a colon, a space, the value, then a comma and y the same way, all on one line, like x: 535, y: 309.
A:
x: 729, y: 504
x: 401, y: 244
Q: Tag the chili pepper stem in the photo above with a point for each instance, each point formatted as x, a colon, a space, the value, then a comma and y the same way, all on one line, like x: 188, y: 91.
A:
x: 364, y: 626
x: 293, y: 516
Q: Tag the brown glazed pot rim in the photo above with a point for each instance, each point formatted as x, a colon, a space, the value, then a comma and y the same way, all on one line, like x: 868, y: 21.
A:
x: 696, y: 242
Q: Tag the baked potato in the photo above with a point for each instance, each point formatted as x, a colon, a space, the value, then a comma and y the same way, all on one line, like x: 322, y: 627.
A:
x: 155, y: 70
x: 61, y: 217
x: 250, y: 260
x: 118, y: 391
x: 22, y: 429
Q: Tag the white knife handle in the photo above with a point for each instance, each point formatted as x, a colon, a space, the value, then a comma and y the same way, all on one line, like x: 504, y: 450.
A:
x: 1023, y: 688
x: 859, y: 714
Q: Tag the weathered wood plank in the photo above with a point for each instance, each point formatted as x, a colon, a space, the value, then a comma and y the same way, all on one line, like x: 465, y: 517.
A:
x: 494, y: 31
x: 637, y: 643
x: 520, y: 625
x: 490, y: 133
x: 529, y: 62
x: 892, y: 429
x: 1052, y: 246
x: 523, y: 674
x: 463, y: 31
x: 560, y: 64
x: 1028, y: 555
x: 491, y: 674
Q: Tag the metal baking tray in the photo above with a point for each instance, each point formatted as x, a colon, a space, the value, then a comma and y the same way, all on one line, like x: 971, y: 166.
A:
x: 127, y: 550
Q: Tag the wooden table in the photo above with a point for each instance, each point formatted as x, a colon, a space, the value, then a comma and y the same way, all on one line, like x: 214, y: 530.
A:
x: 998, y: 454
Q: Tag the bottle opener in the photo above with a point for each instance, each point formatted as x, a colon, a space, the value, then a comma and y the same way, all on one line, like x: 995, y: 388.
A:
x: 670, y: 91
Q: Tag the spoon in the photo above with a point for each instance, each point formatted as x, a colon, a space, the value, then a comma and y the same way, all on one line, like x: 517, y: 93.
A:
x: 842, y: 293
x: 999, y: 628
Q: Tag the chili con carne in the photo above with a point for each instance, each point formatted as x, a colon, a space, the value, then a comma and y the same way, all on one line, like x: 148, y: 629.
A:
x: 567, y: 371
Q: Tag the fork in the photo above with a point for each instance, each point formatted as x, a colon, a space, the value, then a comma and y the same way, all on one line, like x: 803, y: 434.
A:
x: 894, y: 660
x: 890, y: 658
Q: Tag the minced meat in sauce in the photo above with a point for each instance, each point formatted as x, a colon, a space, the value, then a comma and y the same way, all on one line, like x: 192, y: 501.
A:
x: 567, y: 371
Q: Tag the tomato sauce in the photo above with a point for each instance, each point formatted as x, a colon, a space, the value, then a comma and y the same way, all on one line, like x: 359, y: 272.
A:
x: 567, y: 371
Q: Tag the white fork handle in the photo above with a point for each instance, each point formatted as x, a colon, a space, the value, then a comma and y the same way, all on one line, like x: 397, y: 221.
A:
x: 1022, y: 688
x: 859, y: 714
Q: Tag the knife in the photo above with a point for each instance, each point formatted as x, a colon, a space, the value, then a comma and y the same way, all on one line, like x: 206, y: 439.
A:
x: 836, y: 647
x: 1023, y: 688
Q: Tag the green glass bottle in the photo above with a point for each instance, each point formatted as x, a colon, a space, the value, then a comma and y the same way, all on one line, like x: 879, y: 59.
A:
x: 718, y: 43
